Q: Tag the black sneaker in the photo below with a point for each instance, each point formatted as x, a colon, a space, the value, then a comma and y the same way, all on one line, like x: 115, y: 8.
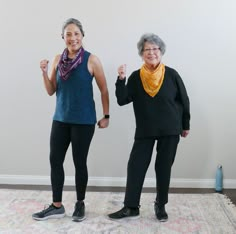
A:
x: 51, y: 212
x: 79, y: 213
x: 160, y: 212
x: 125, y: 212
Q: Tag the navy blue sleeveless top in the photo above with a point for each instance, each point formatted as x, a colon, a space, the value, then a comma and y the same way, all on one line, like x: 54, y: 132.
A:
x: 74, y: 101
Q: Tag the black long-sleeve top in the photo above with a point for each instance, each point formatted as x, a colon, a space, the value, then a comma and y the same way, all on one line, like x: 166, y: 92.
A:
x: 167, y: 113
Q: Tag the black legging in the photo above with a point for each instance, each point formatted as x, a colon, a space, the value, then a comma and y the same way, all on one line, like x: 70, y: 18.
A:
x: 138, y: 164
x: 80, y: 136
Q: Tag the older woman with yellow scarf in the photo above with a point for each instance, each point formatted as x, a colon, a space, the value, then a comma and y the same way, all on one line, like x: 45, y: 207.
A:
x: 162, y: 114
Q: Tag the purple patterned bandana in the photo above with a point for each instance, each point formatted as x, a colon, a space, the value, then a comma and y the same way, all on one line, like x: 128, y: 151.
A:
x: 65, y: 64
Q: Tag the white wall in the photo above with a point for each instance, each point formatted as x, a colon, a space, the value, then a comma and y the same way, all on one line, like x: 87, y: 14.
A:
x: 200, y: 37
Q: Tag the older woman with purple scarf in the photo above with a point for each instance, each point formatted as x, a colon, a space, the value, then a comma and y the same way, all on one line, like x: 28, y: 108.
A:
x: 74, y: 119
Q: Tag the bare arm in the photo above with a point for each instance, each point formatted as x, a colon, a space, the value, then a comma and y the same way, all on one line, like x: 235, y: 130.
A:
x: 95, y: 68
x: 49, y: 81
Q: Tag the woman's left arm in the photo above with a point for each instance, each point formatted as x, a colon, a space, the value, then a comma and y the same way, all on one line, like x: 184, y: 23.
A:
x: 185, y: 104
x: 96, y: 69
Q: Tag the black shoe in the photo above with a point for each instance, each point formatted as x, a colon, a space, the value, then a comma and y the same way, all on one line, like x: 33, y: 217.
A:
x: 160, y: 212
x: 125, y: 212
x: 50, y: 212
x: 79, y: 213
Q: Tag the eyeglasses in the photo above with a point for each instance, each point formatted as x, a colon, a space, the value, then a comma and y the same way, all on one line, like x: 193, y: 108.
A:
x: 149, y: 50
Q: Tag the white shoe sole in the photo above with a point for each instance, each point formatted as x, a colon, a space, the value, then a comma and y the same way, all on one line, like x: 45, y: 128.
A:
x: 56, y: 216
x: 76, y: 219
x: 126, y: 218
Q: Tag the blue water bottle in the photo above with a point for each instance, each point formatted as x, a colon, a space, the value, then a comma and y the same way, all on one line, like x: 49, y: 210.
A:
x: 219, y: 179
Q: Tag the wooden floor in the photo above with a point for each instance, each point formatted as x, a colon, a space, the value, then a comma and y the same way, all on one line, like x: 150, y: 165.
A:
x: 230, y: 193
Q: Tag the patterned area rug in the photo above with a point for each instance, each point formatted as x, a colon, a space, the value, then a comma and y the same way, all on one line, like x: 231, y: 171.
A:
x: 188, y: 213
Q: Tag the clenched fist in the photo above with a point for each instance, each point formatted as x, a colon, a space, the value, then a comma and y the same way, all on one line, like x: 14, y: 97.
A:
x: 122, y: 71
x: 44, y: 65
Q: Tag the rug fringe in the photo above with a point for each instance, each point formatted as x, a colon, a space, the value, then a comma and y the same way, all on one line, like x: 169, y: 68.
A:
x: 227, y: 201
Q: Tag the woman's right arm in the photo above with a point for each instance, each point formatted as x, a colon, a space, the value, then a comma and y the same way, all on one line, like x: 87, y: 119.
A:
x: 49, y: 81
x: 122, y: 93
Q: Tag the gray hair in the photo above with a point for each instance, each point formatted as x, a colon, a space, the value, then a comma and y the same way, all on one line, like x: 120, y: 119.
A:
x: 151, y: 38
x: 72, y: 21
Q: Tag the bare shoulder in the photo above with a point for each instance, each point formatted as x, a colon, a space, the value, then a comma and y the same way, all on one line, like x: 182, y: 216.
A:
x: 94, y: 65
x: 55, y: 61
x: 94, y: 60
x: 57, y: 58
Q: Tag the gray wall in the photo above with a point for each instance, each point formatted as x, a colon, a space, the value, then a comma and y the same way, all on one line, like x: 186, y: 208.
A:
x: 200, y: 37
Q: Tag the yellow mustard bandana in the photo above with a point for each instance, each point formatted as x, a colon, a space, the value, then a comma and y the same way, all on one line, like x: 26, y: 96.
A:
x: 152, y: 80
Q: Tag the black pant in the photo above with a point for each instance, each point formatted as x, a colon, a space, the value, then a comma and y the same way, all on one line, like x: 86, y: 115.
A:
x: 80, y: 136
x: 138, y: 164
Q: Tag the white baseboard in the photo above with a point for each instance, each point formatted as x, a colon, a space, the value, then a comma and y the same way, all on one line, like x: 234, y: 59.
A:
x: 114, y: 181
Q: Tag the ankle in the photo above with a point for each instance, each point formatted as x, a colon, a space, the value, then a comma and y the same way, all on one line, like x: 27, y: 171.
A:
x: 57, y: 204
x: 80, y: 202
x: 133, y: 208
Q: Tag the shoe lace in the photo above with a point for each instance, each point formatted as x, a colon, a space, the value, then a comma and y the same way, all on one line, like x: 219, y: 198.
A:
x: 78, y: 207
x: 46, y: 208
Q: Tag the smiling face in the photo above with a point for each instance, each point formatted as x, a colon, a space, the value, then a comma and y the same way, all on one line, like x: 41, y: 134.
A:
x: 73, y: 38
x: 151, y: 55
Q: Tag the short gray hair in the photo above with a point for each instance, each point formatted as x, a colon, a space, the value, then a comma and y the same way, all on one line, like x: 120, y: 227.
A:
x: 151, y: 38
x: 73, y: 21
